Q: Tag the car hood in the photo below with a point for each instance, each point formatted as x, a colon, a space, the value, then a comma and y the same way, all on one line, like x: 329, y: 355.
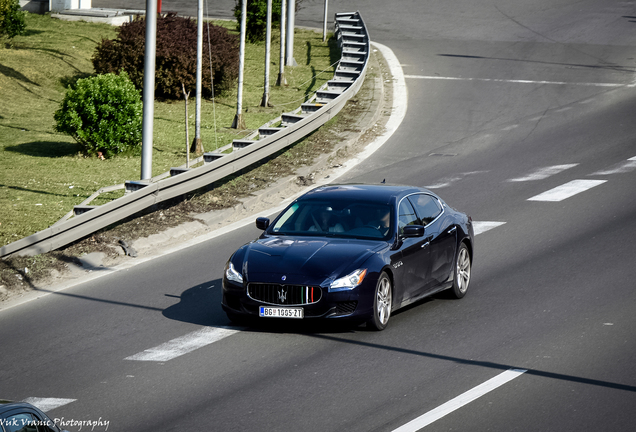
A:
x: 301, y: 259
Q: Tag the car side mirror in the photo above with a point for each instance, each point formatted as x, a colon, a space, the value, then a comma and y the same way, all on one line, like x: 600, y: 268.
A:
x: 411, y: 231
x: 262, y: 223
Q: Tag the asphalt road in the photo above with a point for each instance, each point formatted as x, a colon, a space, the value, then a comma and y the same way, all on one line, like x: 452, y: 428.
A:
x: 507, y: 100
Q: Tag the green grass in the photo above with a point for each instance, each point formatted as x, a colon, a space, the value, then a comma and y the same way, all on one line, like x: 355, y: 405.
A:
x: 42, y: 173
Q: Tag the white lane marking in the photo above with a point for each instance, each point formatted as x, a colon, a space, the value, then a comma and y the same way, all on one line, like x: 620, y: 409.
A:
x: 460, y: 401
x: 587, y: 84
x: 183, y: 344
x: 621, y: 168
x: 447, y: 181
x: 481, y: 227
x: 543, y: 173
x: 567, y: 190
x: 47, y: 404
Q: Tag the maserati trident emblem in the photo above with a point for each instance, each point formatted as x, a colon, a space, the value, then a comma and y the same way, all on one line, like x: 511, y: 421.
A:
x: 284, y: 278
x: 282, y: 295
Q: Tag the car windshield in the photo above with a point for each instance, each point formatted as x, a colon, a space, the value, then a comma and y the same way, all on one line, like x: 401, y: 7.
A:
x: 367, y: 220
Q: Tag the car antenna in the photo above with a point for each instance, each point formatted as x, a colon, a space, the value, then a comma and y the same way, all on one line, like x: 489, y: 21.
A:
x: 383, y: 181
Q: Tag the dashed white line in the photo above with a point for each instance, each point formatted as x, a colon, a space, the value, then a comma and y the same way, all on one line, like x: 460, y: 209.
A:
x: 183, y: 344
x: 461, y: 400
x: 511, y: 127
x: 543, y: 173
x: 447, y: 181
x: 480, y: 227
x: 567, y: 190
x: 621, y: 168
x: 511, y: 81
x: 47, y: 404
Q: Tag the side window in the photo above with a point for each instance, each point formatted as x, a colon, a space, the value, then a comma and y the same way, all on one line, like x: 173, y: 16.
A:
x: 426, y: 207
x: 20, y: 423
x: 407, y: 216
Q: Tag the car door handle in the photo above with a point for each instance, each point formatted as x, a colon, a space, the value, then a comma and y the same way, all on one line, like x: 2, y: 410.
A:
x: 452, y: 230
x: 427, y: 241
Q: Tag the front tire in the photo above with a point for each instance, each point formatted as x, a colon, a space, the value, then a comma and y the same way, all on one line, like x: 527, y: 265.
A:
x: 382, y: 304
x: 462, y: 271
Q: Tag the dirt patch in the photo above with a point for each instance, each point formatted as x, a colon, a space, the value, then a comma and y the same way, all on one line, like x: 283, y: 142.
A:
x: 341, y: 138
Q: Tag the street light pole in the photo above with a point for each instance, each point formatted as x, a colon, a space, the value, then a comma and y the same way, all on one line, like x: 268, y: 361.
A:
x: 324, y: 25
x: 291, y: 16
x: 196, y: 144
x: 268, y: 45
x: 238, y: 122
x: 149, y: 90
x: 281, y: 67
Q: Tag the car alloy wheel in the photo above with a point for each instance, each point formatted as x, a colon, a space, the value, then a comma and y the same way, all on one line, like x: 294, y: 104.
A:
x: 382, y: 303
x: 462, y: 272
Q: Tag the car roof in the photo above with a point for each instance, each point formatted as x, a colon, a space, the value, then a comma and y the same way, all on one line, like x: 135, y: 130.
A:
x: 362, y: 192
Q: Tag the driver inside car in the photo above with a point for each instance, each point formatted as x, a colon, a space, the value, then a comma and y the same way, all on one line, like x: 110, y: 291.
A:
x: 381, y: 220
x: 325, y: 220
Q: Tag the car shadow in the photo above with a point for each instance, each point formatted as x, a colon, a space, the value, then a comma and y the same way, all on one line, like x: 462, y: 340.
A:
x: 199, y: 305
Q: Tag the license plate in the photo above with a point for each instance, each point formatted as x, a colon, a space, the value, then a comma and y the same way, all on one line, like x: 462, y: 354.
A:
x: 278, y: 312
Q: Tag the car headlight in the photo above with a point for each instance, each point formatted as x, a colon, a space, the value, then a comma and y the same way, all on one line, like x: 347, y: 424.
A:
x: 233, y: 275
x: 349, y: 281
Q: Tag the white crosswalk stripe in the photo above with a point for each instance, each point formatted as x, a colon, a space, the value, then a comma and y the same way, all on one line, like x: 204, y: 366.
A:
x: 567, y: 190
x: 183, y: 344
x: 481, y: 227
x: 543, y: 173
x: 447, y: 181
x: 47, y: 404
x: 624, y: 167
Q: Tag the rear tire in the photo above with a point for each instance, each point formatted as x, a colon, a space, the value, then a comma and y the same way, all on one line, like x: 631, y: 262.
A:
x: 382, y: 304
x: 462, y: 271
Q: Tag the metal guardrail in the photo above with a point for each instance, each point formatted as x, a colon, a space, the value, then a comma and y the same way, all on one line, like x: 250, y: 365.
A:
x: 353, y: 39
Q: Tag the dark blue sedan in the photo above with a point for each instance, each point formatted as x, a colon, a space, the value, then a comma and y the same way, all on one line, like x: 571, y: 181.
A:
x: 350, y: 251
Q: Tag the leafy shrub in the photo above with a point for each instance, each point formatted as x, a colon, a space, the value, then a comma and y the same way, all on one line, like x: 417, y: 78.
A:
x: 102, y: 113
x: 11, y: 18
x: 256, y: 20
x: 176, y: 55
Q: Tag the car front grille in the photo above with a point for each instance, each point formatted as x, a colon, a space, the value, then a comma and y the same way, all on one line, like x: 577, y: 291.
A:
x: 278, y: 294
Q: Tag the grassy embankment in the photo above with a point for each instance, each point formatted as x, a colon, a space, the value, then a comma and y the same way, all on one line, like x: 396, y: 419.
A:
x: 42, y: 172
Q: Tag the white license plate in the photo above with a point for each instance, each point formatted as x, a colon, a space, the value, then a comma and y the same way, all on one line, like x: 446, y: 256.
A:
x: 278, y: 312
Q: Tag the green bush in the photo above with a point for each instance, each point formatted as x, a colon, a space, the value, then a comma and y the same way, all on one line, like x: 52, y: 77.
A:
x: 176, y: 56
x: 256, y: 21
x: 103, y: 114
x: 11, y: 18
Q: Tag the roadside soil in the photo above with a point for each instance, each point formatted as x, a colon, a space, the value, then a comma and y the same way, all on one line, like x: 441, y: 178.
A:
x: 258, y: 188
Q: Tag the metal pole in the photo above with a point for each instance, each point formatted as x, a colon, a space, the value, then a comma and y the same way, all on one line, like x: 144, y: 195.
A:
x: 196, y: 145
x: 149, y: 89
x: 238, y: 122
x: 268, y: 45
x: 324, y: 26
x: 187, y: 130
x: 291, y: 15
x: 281, y: 68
